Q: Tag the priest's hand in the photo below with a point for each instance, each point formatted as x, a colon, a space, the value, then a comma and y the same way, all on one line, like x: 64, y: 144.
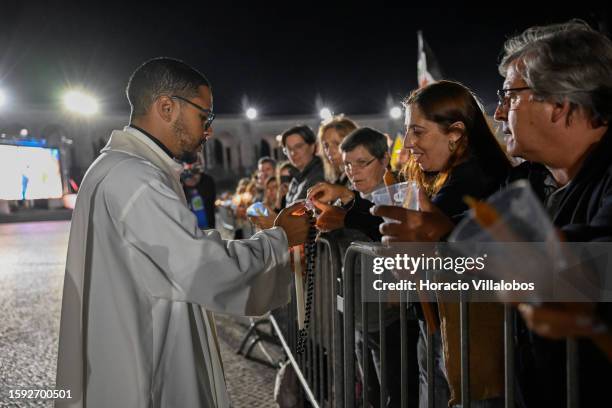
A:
x: 295, y: 221
x: 428, y: 225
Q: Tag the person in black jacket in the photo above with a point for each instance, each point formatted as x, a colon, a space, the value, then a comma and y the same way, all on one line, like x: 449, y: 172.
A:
x: 555, y: 108
x: 299, y: 145
x: 557, y: 113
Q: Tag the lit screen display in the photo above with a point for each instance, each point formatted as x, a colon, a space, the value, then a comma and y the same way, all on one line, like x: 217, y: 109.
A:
x: 28, y: 173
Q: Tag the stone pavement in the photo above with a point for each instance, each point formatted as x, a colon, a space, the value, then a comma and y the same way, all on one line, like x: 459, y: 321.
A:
x: 32, y: 257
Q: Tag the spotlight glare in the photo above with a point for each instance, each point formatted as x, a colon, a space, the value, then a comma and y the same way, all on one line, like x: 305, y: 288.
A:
x: 251, y: 113
x: 81, y: 103
x: 2, y: 98
x: 325, y: 113
x: 395, y: 112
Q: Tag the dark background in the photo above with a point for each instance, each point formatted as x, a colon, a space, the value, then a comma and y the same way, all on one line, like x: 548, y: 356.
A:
x: 282, y: 58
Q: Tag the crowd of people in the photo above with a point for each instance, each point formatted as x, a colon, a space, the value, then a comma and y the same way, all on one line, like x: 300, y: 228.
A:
x: 554, y: 110
x: 143, y: 278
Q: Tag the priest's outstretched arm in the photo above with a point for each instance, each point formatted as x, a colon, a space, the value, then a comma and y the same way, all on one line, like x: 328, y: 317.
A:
x: 177, y: 261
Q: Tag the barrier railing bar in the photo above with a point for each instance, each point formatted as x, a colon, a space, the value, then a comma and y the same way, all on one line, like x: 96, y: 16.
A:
x: 296, y: 367
x: 315, y: 344
x: 334, y: 356
x: 431, y: 378
x: 465, y: 351
x: 572, y: 373
x: 404, y: 350
x: 365, y: 366
x: 349, y: 331
x: 383, y: 348
x: 509, y: 356
x: 338, y: 362
x: 325, y: 300
x: 319, y: 297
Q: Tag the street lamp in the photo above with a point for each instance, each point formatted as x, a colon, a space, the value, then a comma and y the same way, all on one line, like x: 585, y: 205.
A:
x: 325, y: 113
x: 80, y: 102
x: 251, y: 113
x: 395, y: 112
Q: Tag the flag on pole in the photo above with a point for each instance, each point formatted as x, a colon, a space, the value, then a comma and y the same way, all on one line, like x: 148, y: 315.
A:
x: 428, y: 69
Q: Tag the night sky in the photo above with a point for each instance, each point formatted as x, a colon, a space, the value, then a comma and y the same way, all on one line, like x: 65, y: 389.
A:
x: 353, y: 57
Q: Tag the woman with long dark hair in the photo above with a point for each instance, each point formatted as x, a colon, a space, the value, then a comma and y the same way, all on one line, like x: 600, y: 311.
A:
x: 453, y: 153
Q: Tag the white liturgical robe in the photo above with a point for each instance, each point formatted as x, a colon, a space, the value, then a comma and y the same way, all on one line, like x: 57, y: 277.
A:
x: 141, y: 281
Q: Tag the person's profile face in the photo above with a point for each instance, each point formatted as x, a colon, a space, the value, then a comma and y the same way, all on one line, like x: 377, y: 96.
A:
x: 190, y: 125
x: 330, y: 140
x: 427, y: 143
x: 521, y: 119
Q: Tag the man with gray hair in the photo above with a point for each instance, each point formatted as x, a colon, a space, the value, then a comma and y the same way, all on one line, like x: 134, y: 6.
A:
x: 555, y: 108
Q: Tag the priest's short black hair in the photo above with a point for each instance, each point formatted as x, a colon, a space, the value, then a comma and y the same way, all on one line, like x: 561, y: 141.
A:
x: 162, y: 76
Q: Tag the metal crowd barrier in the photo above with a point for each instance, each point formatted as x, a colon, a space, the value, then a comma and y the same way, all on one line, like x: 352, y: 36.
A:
x: 226, y: 216
x: 327, y: 369
x: 230, y: 223
x: 320, y: 369
x: 355, y: 259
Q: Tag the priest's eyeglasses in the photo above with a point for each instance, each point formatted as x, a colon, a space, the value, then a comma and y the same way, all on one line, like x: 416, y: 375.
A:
x: 209, y: 115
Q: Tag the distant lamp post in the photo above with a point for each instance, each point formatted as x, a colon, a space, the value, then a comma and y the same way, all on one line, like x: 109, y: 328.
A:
x: 325, y: 113
x: 80, y: 103
x: 395, y: 112
x: 251, y: 113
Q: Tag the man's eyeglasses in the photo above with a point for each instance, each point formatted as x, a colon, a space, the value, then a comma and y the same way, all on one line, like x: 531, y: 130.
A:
x: 503, y: 95
x: 359, y: 164
x: 210, y: 116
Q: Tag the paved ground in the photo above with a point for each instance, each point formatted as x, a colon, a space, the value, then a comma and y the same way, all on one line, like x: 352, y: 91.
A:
x: 32, y: 259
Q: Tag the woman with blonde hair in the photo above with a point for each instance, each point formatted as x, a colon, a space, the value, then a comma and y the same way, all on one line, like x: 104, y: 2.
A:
x: 331, y: 133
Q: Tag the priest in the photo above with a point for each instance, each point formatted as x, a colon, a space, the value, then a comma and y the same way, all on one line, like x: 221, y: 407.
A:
x: 142, y: 280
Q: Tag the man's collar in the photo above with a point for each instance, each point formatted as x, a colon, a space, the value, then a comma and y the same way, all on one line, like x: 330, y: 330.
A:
x: 160, y: 152
x: 154, y: 139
